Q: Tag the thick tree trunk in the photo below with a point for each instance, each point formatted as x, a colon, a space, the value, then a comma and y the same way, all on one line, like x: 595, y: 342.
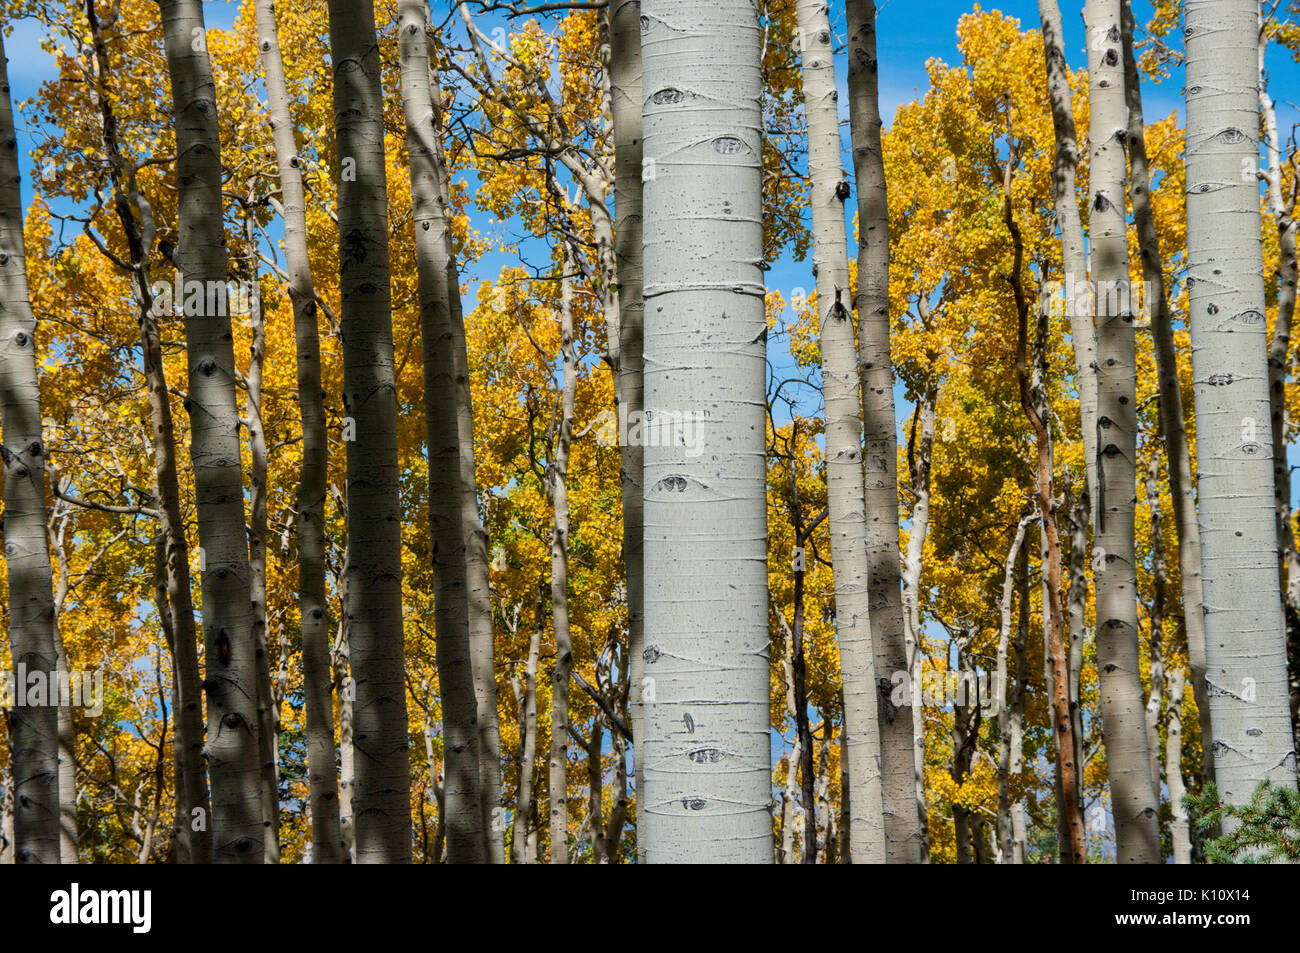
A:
x: 903, y: 837
x: 381, y: 800
x: 850, y: 555
x: 462, y: 808
x: 557, y: 490
x: 706, y: 751
x: 33, y: 729
x: 625, y: 106
x: 230, y: 655
x: 1181, y: 489
x: 313, y: 604
x: 1244, y: 629
x: 1134, y: 799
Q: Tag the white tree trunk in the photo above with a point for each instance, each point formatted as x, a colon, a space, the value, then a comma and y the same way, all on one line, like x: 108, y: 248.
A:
x: 33, y: 729
x: 1244, y: 628
x: 1172, y: 424
x: 903, y: 837
x: 706, y: 750
x: 462, y: 812
x: 327, y: 839
x: 847, y: 519
x: 625, y: 106
x: 230, y: 656
x: 1123, y: 726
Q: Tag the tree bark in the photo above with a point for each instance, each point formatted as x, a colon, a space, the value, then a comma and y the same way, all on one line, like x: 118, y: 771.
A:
x: 313, y: 603
x: 462, y: 808
x: 850, y: 554
x: 920, y: 458
x: 903, y: 837
x: 1279, y: 347
x: 625, y: 106
x: 381, y: 800
x: 1182, y: 492
x: 519, y: 853
x: 1134, y: 800
x: 1004, y: 701
x: 1244, y: 628
x: 230, y: 655
x: 33, y: 729
x: 707, y: 755
x: 557, y: 476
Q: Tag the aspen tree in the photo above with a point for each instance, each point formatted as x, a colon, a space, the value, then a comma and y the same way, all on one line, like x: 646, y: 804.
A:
x: 1172, y: 426
x: 381, y: 799
x: 625, y: 109
x: 903, y: 835
x: 706, y: 751
x: 230, y: 656
x: 845, y: 489
x: 1133, y: 796
x: 1245, y: 643
x: 33, y: 728
x: 461, y: 807
x: 313, y: 604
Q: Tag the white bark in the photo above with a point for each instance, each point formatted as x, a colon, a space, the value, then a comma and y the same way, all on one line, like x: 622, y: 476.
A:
x: 845, y: 488
x: 903, y: 837
x: 706, y: 750
x: 34, y: 739
x: 327, y: 840
x: 1134, y: 800
x: 381, y: 798
x: 1245, y: 639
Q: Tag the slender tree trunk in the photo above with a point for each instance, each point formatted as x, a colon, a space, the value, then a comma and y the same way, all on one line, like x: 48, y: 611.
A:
x: 1083, y: 336
x: 519, y: 853
x: 706, y: 752
x: 965, y: 737
x: 462, y: 809
x: 1034, y: 404
x: 1179, y: 829
x: 850, y: 556
x: 1244, y: 629
x: 1074, y: 263
x: 1155, y: 640
x: 625, y: 105
x: 268, y: 720
x: 230, y: 655
x: 903, y: 837
x: 1182, y: 492
x: 920, y: 456
x: 1279, y: 347
x: 383, y: 780
x: 327, y: 839
x: 33, y: 729
x: 192, y: 827
x: 1016, y: 707
x: 346, y: 691
x: 788, y: 799
x: 1134, y: 799
x: 1003, y: 700
x: 557, y: 489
